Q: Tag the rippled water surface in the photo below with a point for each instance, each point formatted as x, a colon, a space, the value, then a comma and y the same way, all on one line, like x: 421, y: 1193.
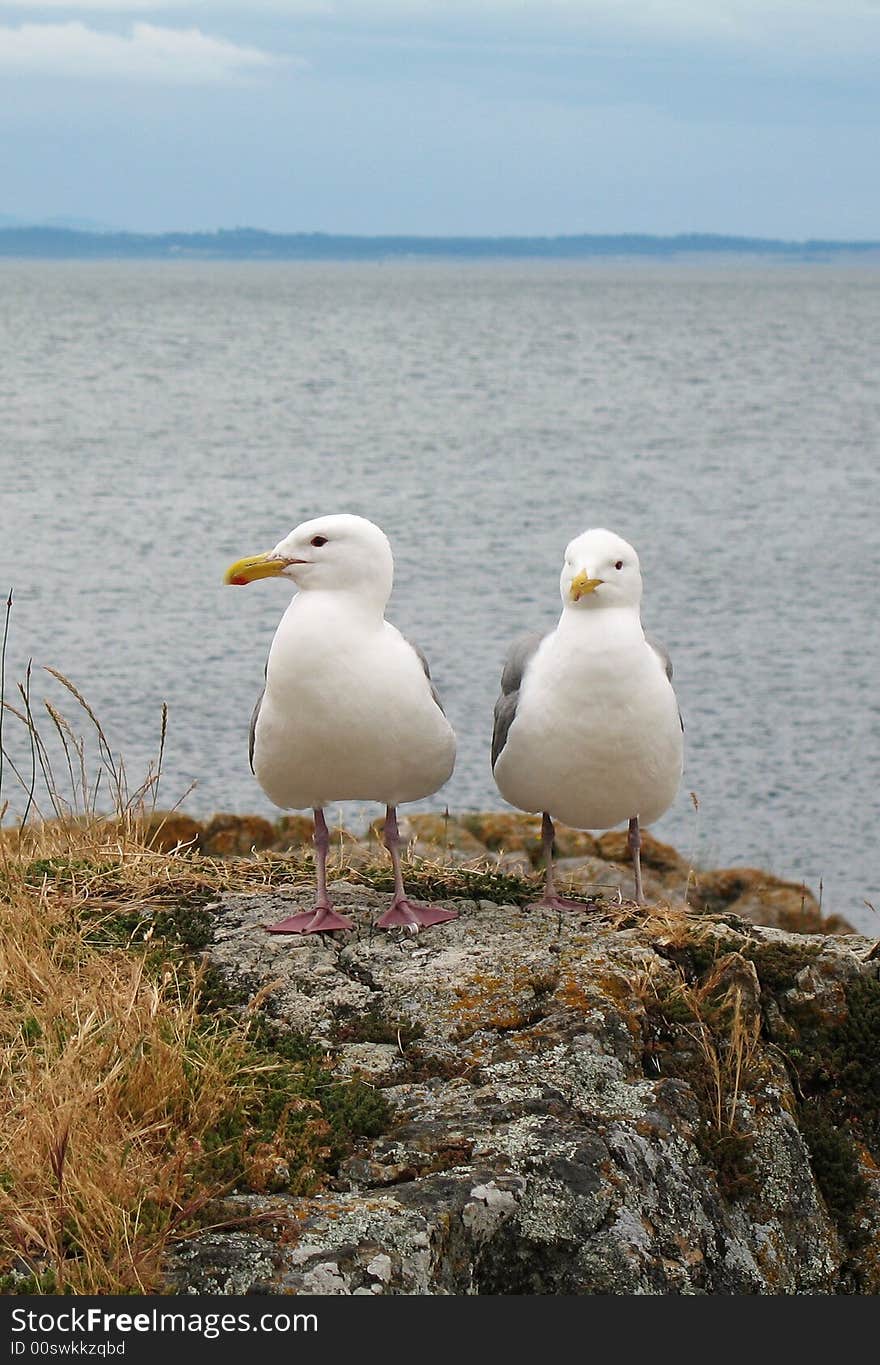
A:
x: 160, y: 420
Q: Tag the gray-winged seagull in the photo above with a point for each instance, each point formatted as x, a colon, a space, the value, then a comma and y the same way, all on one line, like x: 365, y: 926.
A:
x: 587, y: 727
x: 348, y: 712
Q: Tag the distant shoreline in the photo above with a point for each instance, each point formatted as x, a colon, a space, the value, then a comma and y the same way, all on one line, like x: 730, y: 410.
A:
x: 250, y: 244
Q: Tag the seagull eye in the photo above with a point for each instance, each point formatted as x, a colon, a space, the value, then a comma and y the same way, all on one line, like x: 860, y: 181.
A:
x: 318, y: 541
x: 618, y: 565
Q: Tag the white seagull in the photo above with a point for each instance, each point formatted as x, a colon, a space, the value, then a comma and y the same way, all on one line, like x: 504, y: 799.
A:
x: 348, y: 712
x: 587, y: 727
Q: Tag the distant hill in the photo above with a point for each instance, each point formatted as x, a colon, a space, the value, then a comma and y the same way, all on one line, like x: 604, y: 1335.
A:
x: 8, y: 220
x: 62, y: 243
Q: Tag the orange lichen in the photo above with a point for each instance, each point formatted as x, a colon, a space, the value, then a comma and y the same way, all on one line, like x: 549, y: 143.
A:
x: 572, y: 993
x: 499, y: 1003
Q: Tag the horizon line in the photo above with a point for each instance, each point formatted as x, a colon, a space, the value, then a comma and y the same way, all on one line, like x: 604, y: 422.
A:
x: 72, y: 230
x: 47, y: 241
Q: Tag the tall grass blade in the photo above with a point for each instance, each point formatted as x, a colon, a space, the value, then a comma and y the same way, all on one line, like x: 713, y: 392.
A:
x: 3, y: 679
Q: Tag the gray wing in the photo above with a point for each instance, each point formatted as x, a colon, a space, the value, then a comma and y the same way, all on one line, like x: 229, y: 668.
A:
x: 420, y: 655
x: 253, y: 731
x: 663, y: 655
x: 521, y: 653
x: 252, y: 736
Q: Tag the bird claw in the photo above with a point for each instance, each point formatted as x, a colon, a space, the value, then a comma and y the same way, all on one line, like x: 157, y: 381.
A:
x: 410, y: 915
x: 555, y: 902
x: 322, y: 920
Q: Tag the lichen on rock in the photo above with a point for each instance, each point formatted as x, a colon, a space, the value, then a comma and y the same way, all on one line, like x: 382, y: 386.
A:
x: 613, y: 1101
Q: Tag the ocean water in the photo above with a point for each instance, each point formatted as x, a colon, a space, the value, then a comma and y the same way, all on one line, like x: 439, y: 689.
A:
x: 162, y: 419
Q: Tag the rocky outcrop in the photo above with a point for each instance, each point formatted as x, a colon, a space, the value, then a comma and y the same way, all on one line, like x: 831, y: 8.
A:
x: 613, y: 1101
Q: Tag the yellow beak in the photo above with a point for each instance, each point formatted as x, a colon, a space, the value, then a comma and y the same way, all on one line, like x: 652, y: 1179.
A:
x: 257, y: 566
x: 581, y: 585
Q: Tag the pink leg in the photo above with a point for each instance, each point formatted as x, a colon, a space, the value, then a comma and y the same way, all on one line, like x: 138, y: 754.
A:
x: 634, y: 839
x: 402, y: 911
x: 323, y: 919
x: 550, y: 899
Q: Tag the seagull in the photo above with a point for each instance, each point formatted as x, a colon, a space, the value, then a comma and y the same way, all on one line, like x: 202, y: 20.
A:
x: 587, y: 726
x: 348, y: 711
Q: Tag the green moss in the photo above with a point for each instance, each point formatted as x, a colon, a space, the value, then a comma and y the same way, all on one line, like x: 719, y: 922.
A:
x: 115, y: 930
x: 44, y: 1283
x: 696, y: 956
x: 65, y: 871
x: 673, y: 1009
x: 292, y: 1126
x: 370, y: 1027
x: 291, y: 1046
x: 837, y: 1076
x: 703, y: 952
x: 840, y: 1065
x: 217, y: 993
x: 354, y: 1110
x: 855, y: 1055
x: 779, y: 964
x: 434, y: 882
x: 835, y: 1164
x: 274, y: 1117
x: 186, y: 926
x: 296, y: 1120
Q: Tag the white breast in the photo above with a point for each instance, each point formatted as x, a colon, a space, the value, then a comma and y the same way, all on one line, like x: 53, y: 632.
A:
x: 347, y: 714
x: 597, y: 736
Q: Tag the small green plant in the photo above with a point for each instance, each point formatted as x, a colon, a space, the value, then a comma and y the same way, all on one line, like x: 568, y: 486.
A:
x: 298, y: 1097
x: 837, y: 1076
x: 779, y: 964
x: 835, y: 1164
x: 44, y: 1283
x: 437, y: 881
x: 371, y: 1027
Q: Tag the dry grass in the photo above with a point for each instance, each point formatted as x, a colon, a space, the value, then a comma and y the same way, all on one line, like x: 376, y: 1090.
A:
x: 127, y: 1105
x: 729, y: 1044
x: 125, y: 1110
x: 707, y: 1031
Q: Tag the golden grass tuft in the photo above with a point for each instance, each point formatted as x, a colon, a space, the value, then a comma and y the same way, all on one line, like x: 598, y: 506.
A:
x: 727, y: 1030
x: 125, y: 1108
x: 115, y: 1090
x: 708, y: 1032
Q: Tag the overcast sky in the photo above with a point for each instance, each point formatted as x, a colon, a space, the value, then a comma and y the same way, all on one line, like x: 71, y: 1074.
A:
x: 470, y: 116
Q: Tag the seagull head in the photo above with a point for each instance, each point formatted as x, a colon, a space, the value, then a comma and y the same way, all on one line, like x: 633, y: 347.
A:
x: 335, y: 553
x: 600, y: 570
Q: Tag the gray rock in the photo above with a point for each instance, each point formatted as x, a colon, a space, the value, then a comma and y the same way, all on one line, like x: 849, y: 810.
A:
x: 554, y: 1132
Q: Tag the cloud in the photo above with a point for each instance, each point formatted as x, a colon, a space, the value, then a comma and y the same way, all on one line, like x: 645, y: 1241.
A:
x: 106, y: 6
x: 714, y: 16
x: 807, y: 24
x: 816, y: 37
x: 167, y: 56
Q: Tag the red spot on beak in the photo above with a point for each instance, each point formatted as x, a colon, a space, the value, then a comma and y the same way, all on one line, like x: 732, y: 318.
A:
x: 239, y: 580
